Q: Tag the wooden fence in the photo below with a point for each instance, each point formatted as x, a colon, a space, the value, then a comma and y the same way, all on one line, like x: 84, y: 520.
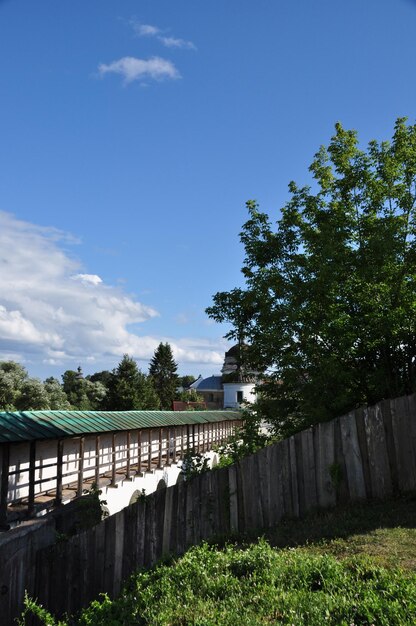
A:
x: 369, y: 453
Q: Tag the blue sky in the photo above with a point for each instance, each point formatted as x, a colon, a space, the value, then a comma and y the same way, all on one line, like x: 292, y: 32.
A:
x: 131, y: 135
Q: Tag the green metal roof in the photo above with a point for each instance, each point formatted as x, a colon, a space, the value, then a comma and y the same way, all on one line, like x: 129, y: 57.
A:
x: 19, y: 426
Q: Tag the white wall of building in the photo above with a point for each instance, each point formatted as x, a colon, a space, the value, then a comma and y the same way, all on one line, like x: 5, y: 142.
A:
x: 231, y: 394
x: 116, y: 497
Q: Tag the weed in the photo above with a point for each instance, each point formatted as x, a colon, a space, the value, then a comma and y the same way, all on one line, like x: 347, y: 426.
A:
x: 193, y: 464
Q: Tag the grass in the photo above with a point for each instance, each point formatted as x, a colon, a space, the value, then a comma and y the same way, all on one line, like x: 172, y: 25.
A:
x: 350, y: 566
x: 385, y: 531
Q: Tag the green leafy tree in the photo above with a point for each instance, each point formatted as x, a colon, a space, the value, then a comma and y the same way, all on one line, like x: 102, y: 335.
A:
x: 12, y: 377
x: 186, y: 381
x: 330, y: 296
x: 162, y: 371
x: 33, y: 396
x: 191, y: 395
x: 102, y: 377
x: 96, y: 393
x: 57, y: 398
x: 75, y: 387
x: 130, y: 389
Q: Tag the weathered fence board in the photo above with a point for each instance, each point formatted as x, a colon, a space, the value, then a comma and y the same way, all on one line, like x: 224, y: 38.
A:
x: 403, y: 444
x: 109, y: 554
x: 412, y: 410
x: 300, y: 477
x: 309, y: 470
x: 99, y: 553
x: 234, y: 500
x: 387, y: 413
x: 362, y: 441
x: 167, y: 521
x: 352, y: 456
x: 340, y: 474
x: 272, y: 486
x: 129, y: 540
x: 324, y: 444
x: 225, y: 516
x: 293, y: 475
x: 381, y: 485
x: 262, y: 483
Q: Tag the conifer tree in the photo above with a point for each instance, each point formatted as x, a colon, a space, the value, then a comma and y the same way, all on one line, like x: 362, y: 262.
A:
x: 129, y: 389
x: 162, y: 371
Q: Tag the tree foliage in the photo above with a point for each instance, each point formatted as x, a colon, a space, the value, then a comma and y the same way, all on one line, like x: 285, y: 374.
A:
x: 12, y: 377
x: 32, y: 396
x: 129, y: 389
x: 57, y: 398
x: 330, y: 296
x: 83, y: 394
x: 186, y: 381
x: 162, y: 371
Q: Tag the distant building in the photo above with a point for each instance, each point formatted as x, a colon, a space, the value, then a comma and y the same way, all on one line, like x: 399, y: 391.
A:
x: 211, y: 390
x: 234, y: 386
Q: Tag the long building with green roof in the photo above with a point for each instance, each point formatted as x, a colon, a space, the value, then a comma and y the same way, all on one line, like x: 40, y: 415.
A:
x: 50, y: 457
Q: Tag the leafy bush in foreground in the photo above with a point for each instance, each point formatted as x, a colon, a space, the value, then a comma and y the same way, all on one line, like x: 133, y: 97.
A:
x: 258, y: 585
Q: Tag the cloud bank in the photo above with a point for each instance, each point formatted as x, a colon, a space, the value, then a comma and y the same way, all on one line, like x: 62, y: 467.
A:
x: 52, y: 312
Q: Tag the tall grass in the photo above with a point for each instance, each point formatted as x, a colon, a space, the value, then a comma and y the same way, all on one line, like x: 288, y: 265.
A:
x: 257, y: 585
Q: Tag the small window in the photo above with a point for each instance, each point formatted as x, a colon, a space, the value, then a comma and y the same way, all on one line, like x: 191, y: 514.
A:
x: 240, y: 396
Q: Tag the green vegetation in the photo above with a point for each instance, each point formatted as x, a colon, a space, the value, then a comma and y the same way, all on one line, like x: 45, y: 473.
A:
x: 124, y: 388
x: 191, y: 395
x: 355, y: 565
x: 81, y: 392
x: 247, y: 439
x: 328, y: 304
x: 129, y: 389
x: 193, y: 464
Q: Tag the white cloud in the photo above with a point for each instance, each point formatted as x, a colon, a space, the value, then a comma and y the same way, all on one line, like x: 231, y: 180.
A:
x: 173, y: 42
x: 132, y: 69
x: 13, y: 324
x: 197, y: 351
x: 52, y: 312
x: 48, y: 308
x: 90, y: 279
x: 147, y: 30
x: 144, y: 30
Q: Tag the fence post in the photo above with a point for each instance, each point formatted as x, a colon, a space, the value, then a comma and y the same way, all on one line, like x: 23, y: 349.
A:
x: 128, y: 441
x: 113, y: 461
x: 59, y: 462
x: 97, y: 460
x: 32, y: 462
x: 4, y: 486
x: 80, y: 466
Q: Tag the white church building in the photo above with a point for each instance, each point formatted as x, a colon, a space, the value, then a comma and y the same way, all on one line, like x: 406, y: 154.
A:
x: 232, y: 388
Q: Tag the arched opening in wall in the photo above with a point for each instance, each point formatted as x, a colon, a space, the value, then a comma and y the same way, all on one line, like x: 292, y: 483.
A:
x: 161, y: 484
x: 134, y: 497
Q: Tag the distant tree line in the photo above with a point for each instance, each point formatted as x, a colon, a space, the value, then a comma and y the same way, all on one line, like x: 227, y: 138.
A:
x: 124, y: 388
